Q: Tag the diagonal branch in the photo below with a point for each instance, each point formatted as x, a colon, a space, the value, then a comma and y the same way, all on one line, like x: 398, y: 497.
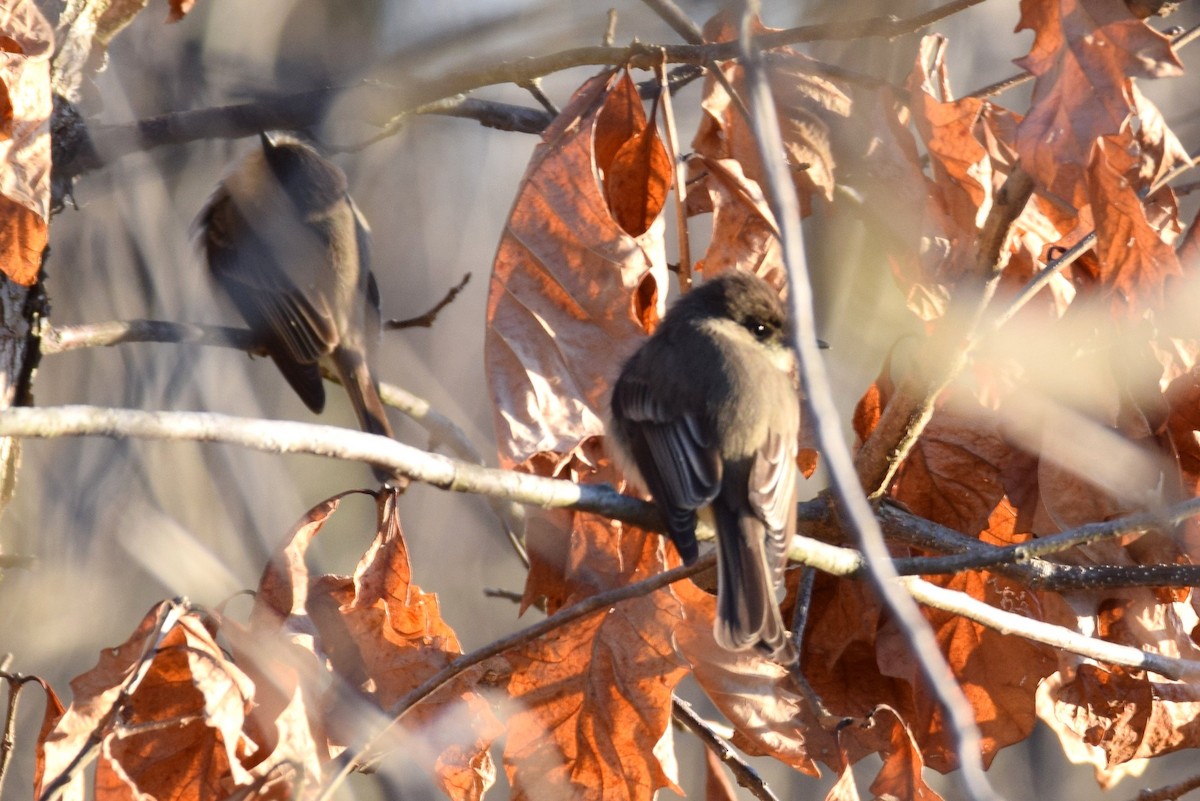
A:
x: 819, y: 398
x: 746, y: 776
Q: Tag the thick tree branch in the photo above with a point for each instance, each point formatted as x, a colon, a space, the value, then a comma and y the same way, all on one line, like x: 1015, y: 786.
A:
x: 279, y: 436
x: 290, y: 437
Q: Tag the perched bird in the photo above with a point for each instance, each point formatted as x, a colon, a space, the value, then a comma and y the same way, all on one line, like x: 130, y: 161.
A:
x: 706, y: 414
x: 286, y: 243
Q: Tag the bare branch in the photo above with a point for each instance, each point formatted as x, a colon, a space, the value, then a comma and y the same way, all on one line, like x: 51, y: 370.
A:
x: 427, y: 319
x: 1171, y: 792
x: 279, y: 436
x: 670, y: 13
x: 746, y: 776
x: 819, y: 398
x: 445, y: 95
x: 290, y: 437
x: 1047, y: 633
x: 60, y: 339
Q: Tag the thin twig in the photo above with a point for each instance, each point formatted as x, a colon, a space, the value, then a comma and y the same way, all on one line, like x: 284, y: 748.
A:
x: 534, y: 87
x: 610, y: 29
x: 1022, y: 563
x: 507, y: 595
x: 589, y: 606
x: 746, y: 776
x: 819, y: 398
x: 427, y: 319
x: 670, y: 13
x: 681, y: 220
x: 61, y: 339
x: 1170, y: 792
x: 16, y: 682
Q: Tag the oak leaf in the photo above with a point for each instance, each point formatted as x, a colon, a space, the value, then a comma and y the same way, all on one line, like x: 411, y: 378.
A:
x: 593, y: 698
x: 804, y: 102
x: 25, y: 108
x: 382, y: 636
x: 572, y: 294
x: 1085, y: 54
x: 168, y: 709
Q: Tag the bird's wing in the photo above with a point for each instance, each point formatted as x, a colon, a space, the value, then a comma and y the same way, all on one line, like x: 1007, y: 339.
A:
x: 676, y: 456
x: 297, y: 331
x: 755, y: 516
x: 772, y: 494
x: 259, y: 277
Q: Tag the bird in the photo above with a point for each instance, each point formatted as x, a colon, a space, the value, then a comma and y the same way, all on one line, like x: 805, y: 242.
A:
x: 284, y: 241
x: 705, y: 416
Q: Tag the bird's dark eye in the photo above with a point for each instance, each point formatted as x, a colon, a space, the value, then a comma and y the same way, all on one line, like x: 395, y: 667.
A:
x: 760, y: 330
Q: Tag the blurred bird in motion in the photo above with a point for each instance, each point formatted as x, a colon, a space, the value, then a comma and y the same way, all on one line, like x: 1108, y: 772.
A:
x: 287, y: 245
x: 706, y: 417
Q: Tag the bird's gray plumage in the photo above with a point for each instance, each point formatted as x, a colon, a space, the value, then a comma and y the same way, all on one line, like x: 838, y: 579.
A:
x: 706, y: 413
x: 286, y: 244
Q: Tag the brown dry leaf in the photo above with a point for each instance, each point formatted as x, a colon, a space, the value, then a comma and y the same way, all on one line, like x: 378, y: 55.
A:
x: 25, y: 140
x: 804, y: 102
x: 1113, y: 717
x: 972, y: 149
x: 1183, y: 425
x: 845, y: 788
x: 963, y: 172
x: 901, y: 774
x: 593, y: 698
x: 172, y: 731
x: 50, y: 716
x: 1084, y: 54
x: 998, y: 673
x: 744, y: 235
x: 1135, y: 256
x: 572, y: 295
x: 386, y: 636
x: 283, y: 588
x: 1109, y: 719
x: 953, y: 474
x: 769, y: 713
x: 631, y: 160
x: 383, y: 637
x: 839, y: 649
